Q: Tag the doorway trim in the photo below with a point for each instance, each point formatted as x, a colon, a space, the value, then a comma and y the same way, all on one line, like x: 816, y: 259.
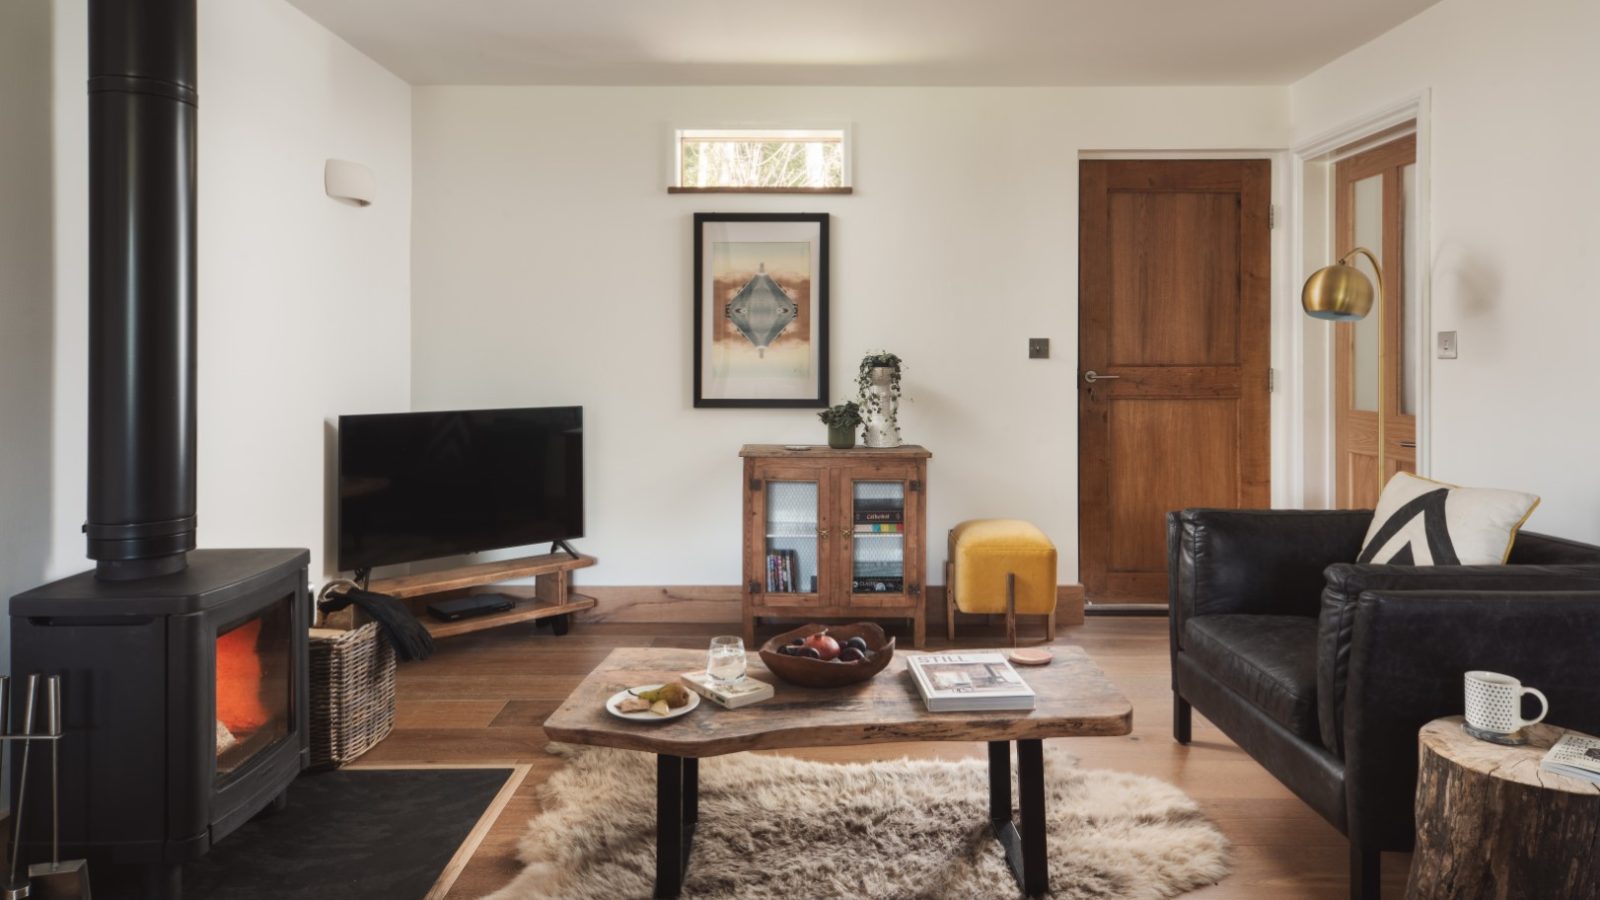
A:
x: 1286, y: 408
x: 1309, y: 233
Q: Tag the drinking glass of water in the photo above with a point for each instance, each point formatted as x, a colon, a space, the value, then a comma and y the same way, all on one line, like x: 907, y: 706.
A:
x: 725, y: 664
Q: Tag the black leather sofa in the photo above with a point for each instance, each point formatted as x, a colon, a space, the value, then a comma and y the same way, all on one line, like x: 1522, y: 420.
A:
x: 1323, y: 670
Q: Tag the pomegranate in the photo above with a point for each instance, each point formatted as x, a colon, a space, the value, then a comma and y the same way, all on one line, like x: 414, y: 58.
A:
x: 826, y: 647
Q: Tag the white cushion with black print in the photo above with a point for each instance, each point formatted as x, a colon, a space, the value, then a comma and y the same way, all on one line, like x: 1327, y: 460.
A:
x: 1429, y: 523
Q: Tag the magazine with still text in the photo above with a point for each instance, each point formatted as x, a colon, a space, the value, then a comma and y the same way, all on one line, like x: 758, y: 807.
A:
x: 964, y: 682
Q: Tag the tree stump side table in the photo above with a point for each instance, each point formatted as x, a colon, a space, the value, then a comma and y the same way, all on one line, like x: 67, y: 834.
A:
x: 1492, y: 824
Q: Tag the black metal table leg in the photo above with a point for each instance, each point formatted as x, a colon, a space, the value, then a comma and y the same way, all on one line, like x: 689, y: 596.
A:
x: 691, y: 796
x: 677, y: 808
x: 999, y: 784
x: 1030, y: 802
x: 1025, y: 847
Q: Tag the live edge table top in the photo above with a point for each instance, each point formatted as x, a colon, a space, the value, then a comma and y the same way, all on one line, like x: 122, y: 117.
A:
x: 1074, y: 699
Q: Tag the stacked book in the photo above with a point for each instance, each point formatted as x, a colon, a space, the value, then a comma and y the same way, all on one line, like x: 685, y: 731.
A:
x: 878, y: 569
x: 783, y: 571
x: 880, y: 516
x: 743, y: 692
x: 968, y: 682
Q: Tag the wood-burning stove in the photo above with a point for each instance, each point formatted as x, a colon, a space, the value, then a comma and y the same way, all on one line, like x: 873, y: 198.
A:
x: 185, y: 704
x: 183, y: 671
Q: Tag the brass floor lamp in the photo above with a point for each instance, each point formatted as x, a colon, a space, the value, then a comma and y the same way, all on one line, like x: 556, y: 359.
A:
x: 1343, y: 293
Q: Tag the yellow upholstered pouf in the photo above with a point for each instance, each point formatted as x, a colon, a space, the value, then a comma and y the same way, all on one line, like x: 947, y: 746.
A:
x: 1001, y: 566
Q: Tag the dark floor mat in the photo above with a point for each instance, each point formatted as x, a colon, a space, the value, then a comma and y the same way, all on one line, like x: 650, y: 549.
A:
x: 354, y: 834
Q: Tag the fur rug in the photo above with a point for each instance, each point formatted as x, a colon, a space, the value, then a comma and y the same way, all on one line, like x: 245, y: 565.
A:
x: 773, y: 827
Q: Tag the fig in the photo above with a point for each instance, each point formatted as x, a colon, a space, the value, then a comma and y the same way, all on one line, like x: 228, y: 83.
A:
x: 858, y: 642
x: 809, y: 653
x: 851, y: 654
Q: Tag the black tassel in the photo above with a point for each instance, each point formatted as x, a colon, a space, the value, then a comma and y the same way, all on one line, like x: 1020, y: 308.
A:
x: 410, y: 638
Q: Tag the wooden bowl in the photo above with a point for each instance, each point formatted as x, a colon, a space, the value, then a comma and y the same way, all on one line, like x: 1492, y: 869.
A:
x: 821, y: 673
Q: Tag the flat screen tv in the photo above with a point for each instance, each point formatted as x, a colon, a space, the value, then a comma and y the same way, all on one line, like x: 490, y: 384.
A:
x: 428, y: 484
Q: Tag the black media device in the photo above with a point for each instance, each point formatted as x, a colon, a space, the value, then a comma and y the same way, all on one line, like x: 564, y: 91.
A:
x: 422, y: 485
x: 469, y: 607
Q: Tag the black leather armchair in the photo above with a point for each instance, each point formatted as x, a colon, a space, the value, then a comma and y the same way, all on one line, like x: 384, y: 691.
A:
x: 1323, y: 670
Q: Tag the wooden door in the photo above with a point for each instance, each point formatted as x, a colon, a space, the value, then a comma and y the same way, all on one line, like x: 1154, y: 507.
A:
x: 1173, y: 354
x: 1371, y: 199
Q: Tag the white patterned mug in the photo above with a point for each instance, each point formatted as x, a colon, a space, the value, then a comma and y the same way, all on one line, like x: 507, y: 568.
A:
x: 1494, y: 704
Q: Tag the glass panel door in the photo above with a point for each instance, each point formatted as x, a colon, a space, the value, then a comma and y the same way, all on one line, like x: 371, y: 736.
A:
x: 1375, y: 208
x: 878, y: 537
x: 253, y: 661
x: 1367, y: 222
x: 1410, y: 290
x: 793, y: 529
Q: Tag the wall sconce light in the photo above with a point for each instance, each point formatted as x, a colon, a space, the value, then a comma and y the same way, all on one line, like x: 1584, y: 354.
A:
x: 349, y: 182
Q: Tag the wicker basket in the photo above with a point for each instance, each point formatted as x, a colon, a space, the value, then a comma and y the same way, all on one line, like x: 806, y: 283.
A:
x: 352, y: 693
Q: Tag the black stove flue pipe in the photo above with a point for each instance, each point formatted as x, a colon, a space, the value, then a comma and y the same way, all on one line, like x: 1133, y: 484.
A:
x: 142, y: 108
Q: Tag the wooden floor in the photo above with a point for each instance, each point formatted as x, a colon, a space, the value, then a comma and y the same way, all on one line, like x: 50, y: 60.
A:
x: 482, y: 697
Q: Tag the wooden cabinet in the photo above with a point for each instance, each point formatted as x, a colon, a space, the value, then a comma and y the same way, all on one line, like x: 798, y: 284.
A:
x: 835, y: 534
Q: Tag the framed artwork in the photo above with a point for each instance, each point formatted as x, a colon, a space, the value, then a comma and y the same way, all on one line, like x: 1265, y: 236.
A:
x: 761, y: 310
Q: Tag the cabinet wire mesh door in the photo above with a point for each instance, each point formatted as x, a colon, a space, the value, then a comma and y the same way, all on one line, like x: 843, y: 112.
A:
x: 792, y: 537
x: 878, y: 545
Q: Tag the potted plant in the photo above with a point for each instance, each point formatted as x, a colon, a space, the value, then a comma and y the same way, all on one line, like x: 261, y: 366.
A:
x: 878, y: 381
x: 842, y: 421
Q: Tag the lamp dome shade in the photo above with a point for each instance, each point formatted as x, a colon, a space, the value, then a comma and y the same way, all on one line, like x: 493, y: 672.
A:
x: 1340, y: 293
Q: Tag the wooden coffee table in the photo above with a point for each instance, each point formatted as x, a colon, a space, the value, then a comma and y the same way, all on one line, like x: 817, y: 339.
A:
x: 1075, y: 699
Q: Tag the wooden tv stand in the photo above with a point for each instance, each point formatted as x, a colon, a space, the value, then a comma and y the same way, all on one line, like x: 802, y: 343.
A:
x: 551, y: 594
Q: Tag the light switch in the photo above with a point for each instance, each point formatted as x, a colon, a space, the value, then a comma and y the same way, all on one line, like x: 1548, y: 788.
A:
x: 1447, y: 345
x: 1038, y: 348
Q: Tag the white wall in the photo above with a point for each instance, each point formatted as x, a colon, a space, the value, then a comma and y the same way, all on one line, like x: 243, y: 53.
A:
x: 1515, y: 222
x: 303, y: 302
x: 549, y: 266
x: 25, y: 300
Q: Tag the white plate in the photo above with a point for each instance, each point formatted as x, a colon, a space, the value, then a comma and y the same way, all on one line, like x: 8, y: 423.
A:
x: 647, y: 715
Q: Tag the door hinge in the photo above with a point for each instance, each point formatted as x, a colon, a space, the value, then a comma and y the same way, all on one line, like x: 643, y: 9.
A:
x: 915, y: 590
x: 1272, y: 215
x: 1272, y: 380
x: 755, y: 484
x: 755, y: 588
x: 916, y: 486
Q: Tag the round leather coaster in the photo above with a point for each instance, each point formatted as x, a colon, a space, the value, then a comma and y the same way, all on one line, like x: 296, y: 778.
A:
x: 1030, y: 657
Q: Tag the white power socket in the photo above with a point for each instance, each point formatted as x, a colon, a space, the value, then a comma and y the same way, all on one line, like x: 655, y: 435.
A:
x: 1447, y: 345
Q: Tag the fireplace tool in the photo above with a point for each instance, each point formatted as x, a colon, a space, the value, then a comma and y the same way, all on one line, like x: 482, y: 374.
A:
x: 15, y: 888
x: 57, y: 880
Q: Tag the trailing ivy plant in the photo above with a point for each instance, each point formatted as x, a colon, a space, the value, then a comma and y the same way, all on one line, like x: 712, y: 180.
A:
x: 877, y: 359
x: 871, y: 404
x: 845, y: 415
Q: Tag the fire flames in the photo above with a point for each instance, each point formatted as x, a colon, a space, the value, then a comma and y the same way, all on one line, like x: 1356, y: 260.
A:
x: 239, y: 706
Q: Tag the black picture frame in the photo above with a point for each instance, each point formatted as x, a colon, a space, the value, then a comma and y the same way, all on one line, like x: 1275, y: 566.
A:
x: 704, y: 306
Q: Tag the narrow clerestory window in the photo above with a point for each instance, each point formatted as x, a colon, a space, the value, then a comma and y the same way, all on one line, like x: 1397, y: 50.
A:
x: 755, y: 160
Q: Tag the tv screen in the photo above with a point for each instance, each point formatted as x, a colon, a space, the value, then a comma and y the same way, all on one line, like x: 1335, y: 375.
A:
x: 420, y: 485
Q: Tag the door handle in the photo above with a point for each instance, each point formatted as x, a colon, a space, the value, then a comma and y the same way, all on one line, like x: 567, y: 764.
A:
x: 1409, y: 445
x: 1092, y: 376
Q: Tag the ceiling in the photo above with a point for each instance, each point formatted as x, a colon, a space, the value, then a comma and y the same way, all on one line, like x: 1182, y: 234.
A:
x: 858, y: 42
